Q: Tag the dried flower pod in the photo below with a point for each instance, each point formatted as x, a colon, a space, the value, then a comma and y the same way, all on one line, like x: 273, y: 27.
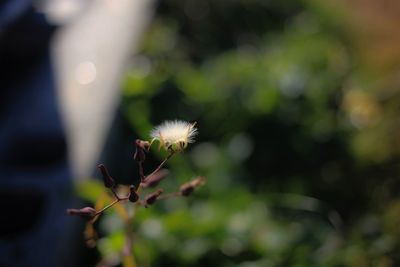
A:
x: 86, y: 212
x: 154, y: 179
x: 145, y: 145
x: 151, y: 198
x: 187, y: 188
x: 107, y: 179
x: 133, y: 196
x: 141, y: 148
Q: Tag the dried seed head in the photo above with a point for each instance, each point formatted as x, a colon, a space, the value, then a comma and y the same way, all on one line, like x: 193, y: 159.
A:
x: 187, y: 188
x: 174, y: 136
x: 107, y: 179
x: 133, y: 196
x: 86, y: 212
x: 151, y: 198
x: 154, y: 179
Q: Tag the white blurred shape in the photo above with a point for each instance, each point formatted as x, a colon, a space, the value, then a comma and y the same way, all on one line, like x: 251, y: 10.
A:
x: 91, y: 54
x: 63, y: 11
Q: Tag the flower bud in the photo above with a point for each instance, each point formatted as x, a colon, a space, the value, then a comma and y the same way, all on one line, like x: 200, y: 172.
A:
x: 145, y: 145
x: 107, y: 179
x: 133, y: 196
x: 187, y: 188
x: 141, y: 147
x: 151, y: 198
x: 154, y: 179
x: 87, y: 212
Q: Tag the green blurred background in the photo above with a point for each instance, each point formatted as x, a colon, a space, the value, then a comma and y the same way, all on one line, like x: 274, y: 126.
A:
x: 297, y: 106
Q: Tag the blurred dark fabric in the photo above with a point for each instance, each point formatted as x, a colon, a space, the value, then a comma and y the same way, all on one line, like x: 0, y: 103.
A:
x: 35, y: 180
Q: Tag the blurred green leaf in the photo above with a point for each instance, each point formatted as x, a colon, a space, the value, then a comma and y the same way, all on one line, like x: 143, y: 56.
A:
x: 90, y: 189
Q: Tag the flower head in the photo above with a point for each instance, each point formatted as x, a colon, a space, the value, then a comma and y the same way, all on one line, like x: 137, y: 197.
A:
x: 174, y: 136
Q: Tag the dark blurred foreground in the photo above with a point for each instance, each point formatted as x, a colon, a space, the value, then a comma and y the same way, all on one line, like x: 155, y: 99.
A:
x: 35, y: 180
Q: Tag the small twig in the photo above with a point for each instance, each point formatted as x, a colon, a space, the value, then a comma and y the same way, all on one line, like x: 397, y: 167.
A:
x: 114, y: 193
x: 141, y: 173
x: 106, y: 207
x: 110, y: 205
x: 161, y: 164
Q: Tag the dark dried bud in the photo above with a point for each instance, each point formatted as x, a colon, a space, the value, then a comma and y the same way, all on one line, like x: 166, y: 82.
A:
x: 87, y: 212
x: 133, y: 196
x: 145, y: 145
x: 187, y: 188
x: 151, y: 198
x: 107, y: 179
x: 155, y: 179
x: 141, y: 148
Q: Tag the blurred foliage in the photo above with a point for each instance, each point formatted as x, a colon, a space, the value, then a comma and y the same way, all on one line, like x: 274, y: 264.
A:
x: 298, y: 133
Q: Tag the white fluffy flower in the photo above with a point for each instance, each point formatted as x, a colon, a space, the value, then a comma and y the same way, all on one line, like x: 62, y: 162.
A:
x: 174, y: 136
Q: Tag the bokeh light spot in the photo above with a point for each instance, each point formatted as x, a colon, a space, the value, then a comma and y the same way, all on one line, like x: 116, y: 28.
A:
x: 85, y: 72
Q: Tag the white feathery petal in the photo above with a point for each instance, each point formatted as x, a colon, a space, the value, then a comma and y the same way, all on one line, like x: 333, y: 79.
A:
x: 171, y: 133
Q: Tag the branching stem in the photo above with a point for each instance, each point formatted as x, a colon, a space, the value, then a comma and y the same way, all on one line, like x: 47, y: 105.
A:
x: 118, y: 199
x: 141, y: 173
